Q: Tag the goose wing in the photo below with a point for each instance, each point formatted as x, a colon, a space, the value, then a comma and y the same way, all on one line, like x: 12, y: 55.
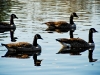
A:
x: 58, y: 23
x: 19, y: 44
x: 62, y: 24
x: 74, y: 42
x: 4, y: 25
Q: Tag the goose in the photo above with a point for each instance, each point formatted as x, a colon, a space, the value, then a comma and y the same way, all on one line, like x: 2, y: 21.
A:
x: 4, y: 25
x: 24, y: 46
x: 78, y: 42
x: 63, y: 24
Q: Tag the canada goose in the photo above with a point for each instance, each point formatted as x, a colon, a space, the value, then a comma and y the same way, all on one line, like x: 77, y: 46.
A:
x: 62, y: 24
x: 4, y: 25
x: 24, y: 46
x: 78, y: 42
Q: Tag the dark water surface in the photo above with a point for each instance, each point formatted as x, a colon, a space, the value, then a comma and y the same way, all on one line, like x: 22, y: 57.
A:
x: 31, y: 14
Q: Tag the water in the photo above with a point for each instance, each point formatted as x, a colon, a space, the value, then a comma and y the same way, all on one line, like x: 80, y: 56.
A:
x: 31, y: 14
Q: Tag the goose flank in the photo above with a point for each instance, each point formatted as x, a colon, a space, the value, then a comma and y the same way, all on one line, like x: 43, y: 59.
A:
x: 4, y: 25
x: 78, y: 42
x: 62, y: 24
x: 24, y: 46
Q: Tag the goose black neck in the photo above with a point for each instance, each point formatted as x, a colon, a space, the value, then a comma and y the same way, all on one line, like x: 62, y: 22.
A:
x: 35, y: 41
x: 91, y: 37
x: 11, y: 21
x: 71, y: 19
x: 71, y: 34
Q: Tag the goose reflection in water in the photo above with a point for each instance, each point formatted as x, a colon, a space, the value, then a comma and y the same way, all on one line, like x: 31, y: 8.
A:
x: 24, y: 55
x: 71, y: 51
x: 77, y: 51
x: 90, y: 54
x: 60, y: 30
x: 37, y: 62
x: 57, y: 30
x: 13, y: 39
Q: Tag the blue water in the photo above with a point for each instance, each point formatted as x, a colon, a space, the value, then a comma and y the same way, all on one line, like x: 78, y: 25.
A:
x: 31, y: 14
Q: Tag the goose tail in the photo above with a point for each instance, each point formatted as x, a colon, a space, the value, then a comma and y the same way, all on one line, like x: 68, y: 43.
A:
x: 58, y: 40
x: 3, y: 44
x: 43, y: 23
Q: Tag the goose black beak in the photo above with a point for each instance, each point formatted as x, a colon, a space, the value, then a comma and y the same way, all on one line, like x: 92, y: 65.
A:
x: 96, y: 31
x: 77, y: 16
x: 16, y: 17
x: 41, y: 38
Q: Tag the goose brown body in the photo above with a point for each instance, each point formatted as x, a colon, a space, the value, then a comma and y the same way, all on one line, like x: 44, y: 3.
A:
x: 62, y: 24
x: 58, y: 24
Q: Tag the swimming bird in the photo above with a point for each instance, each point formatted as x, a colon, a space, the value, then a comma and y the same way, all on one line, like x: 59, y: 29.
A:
x: 63, y: 24
x: 24, y: 46
x: 78, y: 42
x: 4, y: 25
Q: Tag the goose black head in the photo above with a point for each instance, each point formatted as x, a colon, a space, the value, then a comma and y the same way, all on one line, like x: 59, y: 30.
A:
x: 14, y: 16
x: 92, y: 30
x: 38, y: 36
x: 74, y: 14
